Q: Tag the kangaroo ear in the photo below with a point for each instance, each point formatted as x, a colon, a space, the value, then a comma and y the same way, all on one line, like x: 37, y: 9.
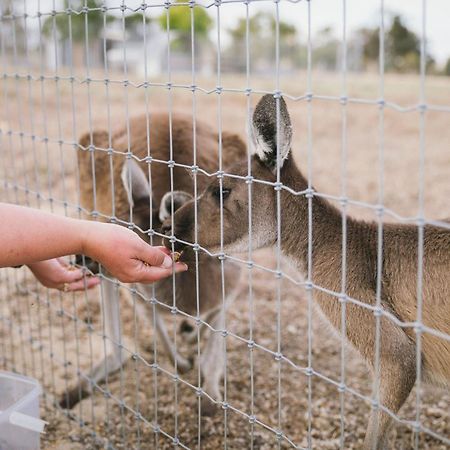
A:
x: 266, y: 126
x: 99, y: 138
x: 135, y: 182
x: 179, y: 199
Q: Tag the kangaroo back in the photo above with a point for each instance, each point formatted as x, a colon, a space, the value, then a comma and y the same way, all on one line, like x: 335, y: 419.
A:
x: 101, y: 186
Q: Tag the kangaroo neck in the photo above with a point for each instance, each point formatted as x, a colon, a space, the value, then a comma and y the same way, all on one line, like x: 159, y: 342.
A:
x: 325, y: 222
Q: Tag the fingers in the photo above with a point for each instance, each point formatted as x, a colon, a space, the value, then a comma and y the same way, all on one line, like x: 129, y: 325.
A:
x: 67, y: 273
x: 81, y: 285
x: 70, y: 276
x: 155, y: 256
x: 72, y: 279
x: 152, y: 274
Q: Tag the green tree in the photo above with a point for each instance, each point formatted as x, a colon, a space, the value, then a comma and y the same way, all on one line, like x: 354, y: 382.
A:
x: 326, y: 49
x: 447, y: 68
x: 371, y: 39
x: 238, y: 33
x: 402, y: 47
x: 77, y: 21
x: 262, y: 28
x: 10, y: 28
x: 180, y: 23
x: 135, y: 20
x: 401, y: 40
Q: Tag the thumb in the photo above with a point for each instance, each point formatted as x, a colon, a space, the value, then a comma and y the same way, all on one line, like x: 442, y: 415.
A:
x: 155, y: 257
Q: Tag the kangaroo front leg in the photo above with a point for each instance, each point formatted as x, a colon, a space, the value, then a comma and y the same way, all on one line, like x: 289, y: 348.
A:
x: 397, y: 378
x: 192, y: 336
x: 212, y: 361
x: 114, y: 359
x: 212, y: 364
x: 183, y: 364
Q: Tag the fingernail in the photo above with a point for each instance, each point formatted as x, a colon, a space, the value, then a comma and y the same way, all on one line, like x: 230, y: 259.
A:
x: 167, y: 263
x: 183, y: 266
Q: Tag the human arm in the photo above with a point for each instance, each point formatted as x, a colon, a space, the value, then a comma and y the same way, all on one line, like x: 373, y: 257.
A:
x: 28, y: 235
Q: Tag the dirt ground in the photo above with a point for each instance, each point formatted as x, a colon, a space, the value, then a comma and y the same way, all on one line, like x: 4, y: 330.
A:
x: 46, y: 334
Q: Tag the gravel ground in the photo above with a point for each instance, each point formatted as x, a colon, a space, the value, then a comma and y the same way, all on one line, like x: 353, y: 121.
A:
x: 136, y: 384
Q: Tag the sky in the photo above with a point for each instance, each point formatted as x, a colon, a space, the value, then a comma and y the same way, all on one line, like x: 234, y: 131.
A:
x: 324, y: 13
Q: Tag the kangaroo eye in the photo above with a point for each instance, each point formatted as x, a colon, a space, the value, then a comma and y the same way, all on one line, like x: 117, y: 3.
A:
x: 225, y: 193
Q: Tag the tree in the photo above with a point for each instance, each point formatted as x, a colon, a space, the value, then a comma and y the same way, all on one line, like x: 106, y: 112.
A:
x: 10, y: 28
x: 180, y: 23
x: 447, y: 68
x: 371, y: 47
x: 401, y: 40
x: 326, y: 49
x: 262, y: 28
x: 135, y: 20
x: 77, y: 21
x: 402, y: 47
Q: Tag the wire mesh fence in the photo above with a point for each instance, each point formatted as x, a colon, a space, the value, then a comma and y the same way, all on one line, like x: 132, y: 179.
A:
x: 228, y: 355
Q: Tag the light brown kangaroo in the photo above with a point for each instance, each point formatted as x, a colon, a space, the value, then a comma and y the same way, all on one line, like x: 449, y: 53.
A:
x: 122, y: 190
x: 397, y: 356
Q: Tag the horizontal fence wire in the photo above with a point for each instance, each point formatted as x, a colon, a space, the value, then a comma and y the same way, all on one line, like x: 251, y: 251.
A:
x: 60, y: 338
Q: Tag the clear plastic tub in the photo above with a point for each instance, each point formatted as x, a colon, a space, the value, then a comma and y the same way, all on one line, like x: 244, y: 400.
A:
x: 20, y: 426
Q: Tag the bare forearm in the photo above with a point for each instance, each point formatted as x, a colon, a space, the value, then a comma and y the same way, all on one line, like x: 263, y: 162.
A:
x: 28, y: 235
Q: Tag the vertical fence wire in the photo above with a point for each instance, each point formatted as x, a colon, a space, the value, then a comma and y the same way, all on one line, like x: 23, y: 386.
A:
x: 309, y: 280
x: 380, y: 214
x: 60, y: 313
x: 343, y: 299
x: 278, y: 215
x: 152, y: 290
x: 195, y: 248
x: 172, y: 210
x: 128, y: 163
x: 13, y: 286
x: 223, y: 312
x: 94, y: 212
x: 421, y: 217
x: 249, y: 181
x: 31, y: 109
x: 19, y: 150
x: 108, y: 411
x: 76, y: 322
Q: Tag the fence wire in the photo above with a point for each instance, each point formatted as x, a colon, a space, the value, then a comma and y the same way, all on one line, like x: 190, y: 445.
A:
x: 48, y: 96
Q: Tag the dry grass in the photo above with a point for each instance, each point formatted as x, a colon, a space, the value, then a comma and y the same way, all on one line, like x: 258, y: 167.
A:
x: 60, y: 345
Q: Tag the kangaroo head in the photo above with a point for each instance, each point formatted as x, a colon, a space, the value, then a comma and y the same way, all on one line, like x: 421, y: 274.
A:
x: 230, y: 203
x: 138, y: 193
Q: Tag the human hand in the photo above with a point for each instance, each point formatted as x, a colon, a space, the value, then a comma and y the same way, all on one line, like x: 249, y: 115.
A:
x: 126, y: 256
x: 56, y: 274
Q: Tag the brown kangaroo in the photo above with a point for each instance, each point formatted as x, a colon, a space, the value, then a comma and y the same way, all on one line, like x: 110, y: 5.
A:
x: 128, y: 189
x: 397, y: 351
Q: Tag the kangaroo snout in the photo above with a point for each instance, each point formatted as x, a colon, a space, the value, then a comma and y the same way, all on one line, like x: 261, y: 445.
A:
x: 174, y: 202
x: 178, y: 233
x: 166, y: 228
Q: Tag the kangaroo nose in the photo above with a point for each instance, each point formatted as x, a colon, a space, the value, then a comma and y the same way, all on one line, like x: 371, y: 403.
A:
x: 166, y: 229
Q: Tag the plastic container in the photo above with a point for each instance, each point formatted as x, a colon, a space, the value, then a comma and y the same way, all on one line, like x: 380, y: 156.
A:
x: 20, y: 426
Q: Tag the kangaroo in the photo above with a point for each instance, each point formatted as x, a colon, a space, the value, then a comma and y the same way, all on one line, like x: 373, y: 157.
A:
x: 122, y: 190
x: 397, y: 352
